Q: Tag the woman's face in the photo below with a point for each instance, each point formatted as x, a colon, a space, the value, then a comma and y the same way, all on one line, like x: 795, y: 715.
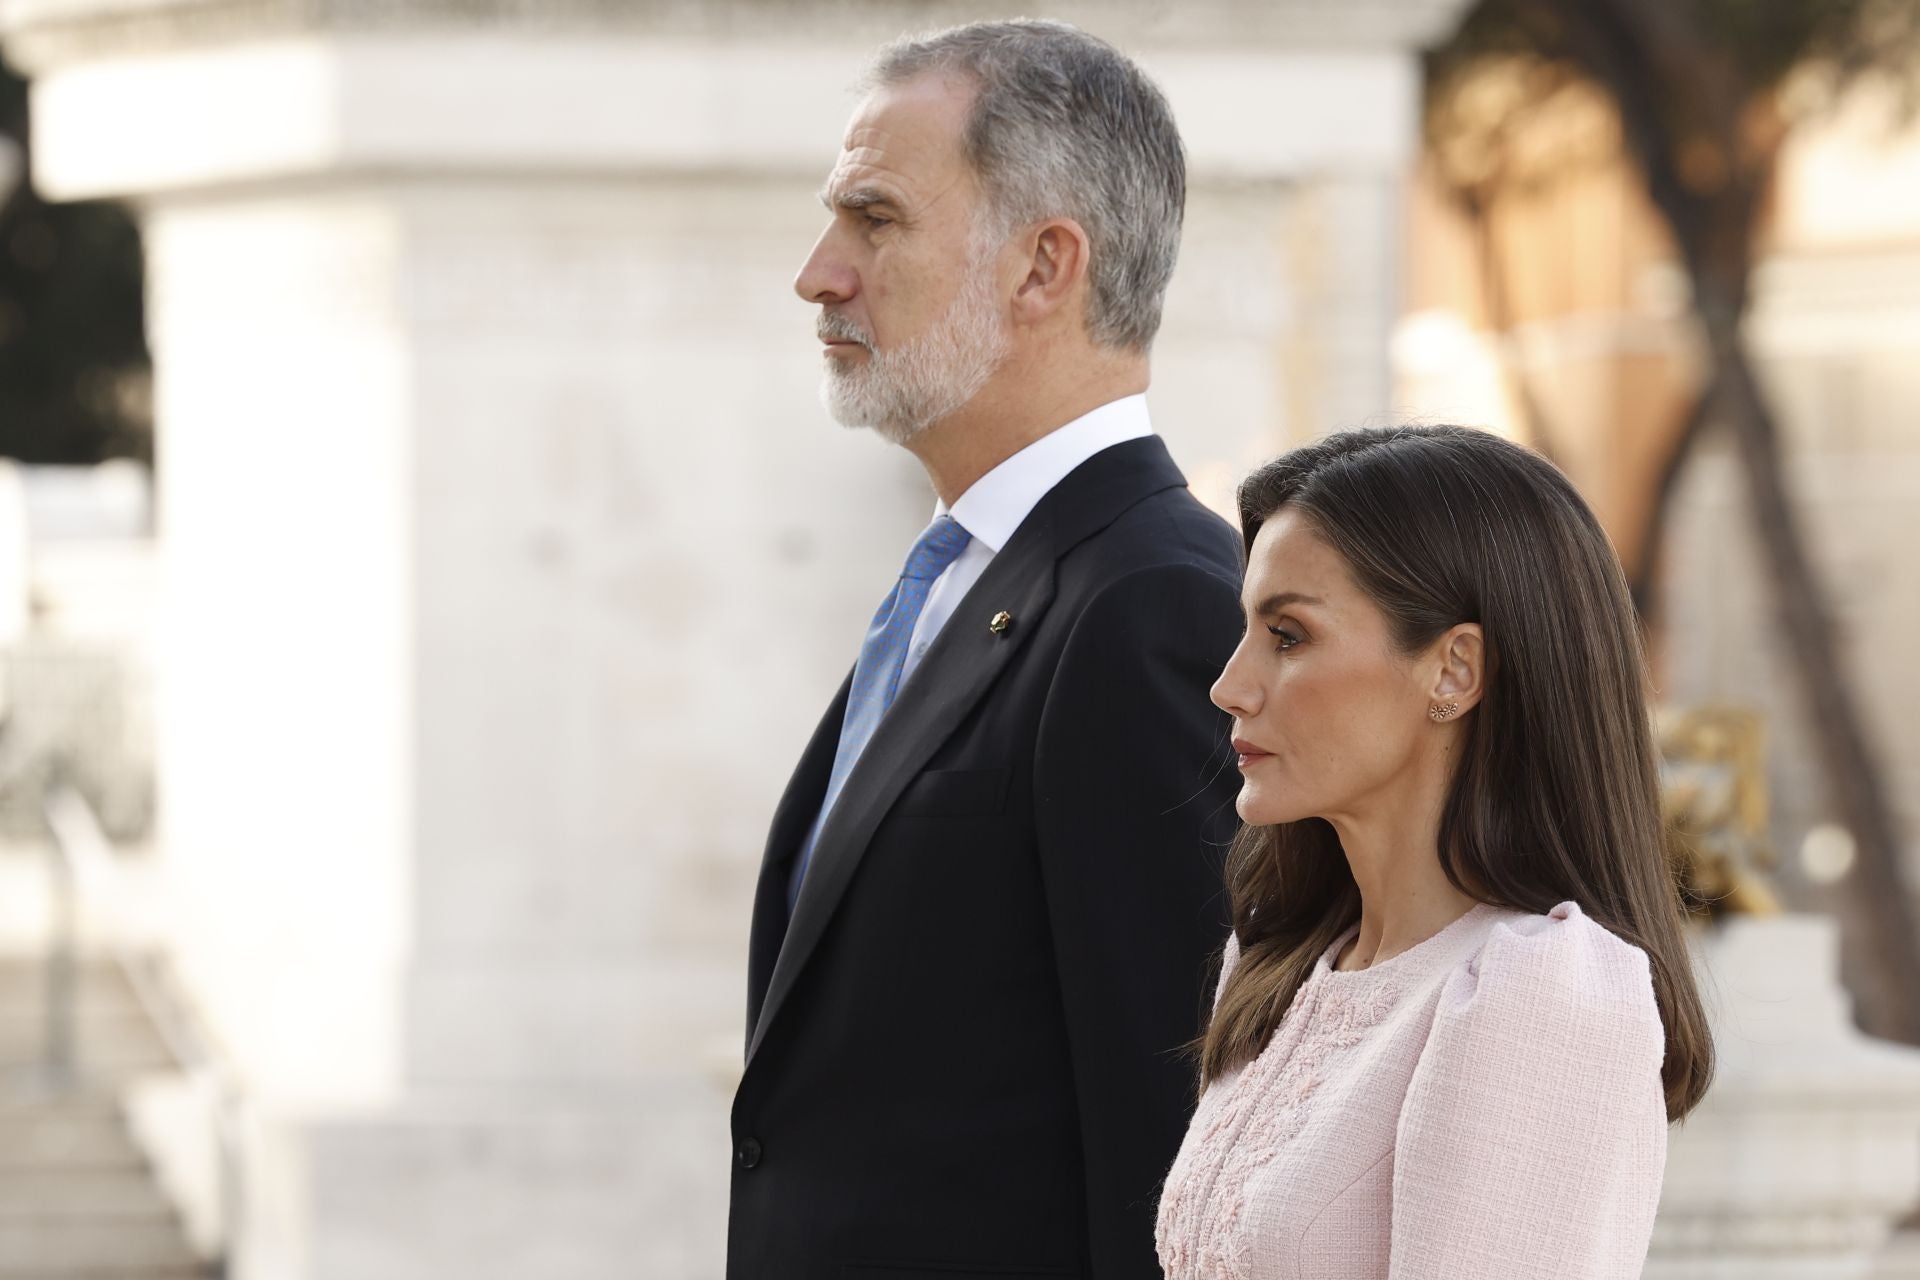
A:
x: 1327, y: 714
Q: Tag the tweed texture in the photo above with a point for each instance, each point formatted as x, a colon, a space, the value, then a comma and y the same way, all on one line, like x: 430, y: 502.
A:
x: 1486, y: 1105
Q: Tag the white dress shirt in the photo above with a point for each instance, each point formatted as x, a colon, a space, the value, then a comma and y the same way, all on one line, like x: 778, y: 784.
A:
x: 996, y: 504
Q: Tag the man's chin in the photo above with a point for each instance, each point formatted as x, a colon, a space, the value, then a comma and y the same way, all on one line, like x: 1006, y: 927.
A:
x: 891, y: 432
x: 847, y: 410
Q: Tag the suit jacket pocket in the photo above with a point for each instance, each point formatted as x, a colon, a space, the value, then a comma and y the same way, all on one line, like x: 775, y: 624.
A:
x: 956, y: 791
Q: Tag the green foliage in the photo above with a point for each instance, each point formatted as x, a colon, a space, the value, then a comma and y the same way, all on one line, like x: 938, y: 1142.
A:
x: 73, y: 351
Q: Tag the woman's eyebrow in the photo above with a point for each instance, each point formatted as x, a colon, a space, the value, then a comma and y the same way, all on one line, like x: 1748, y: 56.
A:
x: 1281, y: 599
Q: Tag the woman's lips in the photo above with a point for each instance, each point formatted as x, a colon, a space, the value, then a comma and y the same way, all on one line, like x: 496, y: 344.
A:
x: 1250, y: 754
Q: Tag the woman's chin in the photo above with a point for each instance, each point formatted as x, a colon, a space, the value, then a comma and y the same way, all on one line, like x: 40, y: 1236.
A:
x: 1260, y: 806
x: 1260, y: 810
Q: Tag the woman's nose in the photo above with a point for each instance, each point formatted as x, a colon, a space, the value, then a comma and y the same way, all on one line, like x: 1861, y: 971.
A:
x: 1233, y: 693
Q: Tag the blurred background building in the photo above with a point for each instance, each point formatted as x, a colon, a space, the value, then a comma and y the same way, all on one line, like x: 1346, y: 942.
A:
x: 427, y: 556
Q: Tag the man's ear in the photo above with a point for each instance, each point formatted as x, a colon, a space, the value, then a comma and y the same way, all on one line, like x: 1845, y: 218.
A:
x: 1056, y: 266
x: 1461, y: 678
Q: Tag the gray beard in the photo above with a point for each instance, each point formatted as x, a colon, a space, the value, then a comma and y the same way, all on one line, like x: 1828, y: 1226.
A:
x: 902, y: 392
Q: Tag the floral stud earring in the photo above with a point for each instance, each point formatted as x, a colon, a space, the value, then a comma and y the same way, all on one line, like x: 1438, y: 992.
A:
x: 1445, y: 711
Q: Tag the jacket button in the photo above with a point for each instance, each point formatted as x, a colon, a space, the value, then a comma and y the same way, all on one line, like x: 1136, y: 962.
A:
x: 747, y: 1154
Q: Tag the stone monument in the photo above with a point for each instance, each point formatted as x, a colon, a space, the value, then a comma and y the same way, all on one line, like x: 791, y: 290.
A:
x: 508, y: 557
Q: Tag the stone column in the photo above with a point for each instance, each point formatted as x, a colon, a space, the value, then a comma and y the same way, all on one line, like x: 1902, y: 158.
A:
x: 509, y: 558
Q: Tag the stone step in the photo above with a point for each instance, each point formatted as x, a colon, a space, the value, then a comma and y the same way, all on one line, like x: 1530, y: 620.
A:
x: 96, y: 1063
x: 77, y: 1199
x: 23, y: 981
x: 112, y: 1042
x: 90, y: 1003
x: 22, y: 1025
x: 76, y: 1105
x: 61, y: 1138
x: 100, y: 1196
x: 53, y: 1248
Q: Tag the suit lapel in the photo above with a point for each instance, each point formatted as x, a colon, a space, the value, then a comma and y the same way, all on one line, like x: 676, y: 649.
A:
x: 955, y: 674
x: 791, y: 820
x: 957, y: 671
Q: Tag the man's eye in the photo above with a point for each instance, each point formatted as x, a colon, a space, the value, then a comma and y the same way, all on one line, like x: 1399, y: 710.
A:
x: 875, y: 220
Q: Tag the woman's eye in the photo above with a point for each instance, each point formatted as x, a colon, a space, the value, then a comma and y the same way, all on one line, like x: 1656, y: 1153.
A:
x: 1286, y: 638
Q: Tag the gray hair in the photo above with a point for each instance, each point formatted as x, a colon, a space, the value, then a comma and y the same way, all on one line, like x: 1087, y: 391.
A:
x: 1065, y: 125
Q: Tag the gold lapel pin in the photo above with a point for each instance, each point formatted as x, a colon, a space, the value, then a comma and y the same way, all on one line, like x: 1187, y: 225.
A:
x: 1001, y: 621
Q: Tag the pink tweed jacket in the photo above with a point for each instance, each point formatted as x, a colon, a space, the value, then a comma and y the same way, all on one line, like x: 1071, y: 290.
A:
x: 1484, y: 1106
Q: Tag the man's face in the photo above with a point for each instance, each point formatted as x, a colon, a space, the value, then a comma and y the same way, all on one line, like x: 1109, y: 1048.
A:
x: 910, y: 306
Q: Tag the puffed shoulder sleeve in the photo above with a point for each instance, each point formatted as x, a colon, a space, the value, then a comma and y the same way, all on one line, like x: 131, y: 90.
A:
x: 1534, y: 1134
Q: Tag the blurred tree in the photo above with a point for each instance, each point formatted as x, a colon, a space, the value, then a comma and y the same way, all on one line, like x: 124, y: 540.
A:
x: 74, y: 373
x: 1699, y: 88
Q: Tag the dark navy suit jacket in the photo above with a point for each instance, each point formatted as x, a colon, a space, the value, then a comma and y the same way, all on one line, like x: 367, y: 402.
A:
x: 966, y: 1049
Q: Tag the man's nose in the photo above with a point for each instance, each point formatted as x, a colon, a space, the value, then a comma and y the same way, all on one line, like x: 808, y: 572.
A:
x: 824, y: 279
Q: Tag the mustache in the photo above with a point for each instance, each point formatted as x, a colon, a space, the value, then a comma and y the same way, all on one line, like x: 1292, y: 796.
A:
x: 834, y: 327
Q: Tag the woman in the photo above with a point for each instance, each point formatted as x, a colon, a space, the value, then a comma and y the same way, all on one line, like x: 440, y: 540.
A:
x: 1456, y: 1013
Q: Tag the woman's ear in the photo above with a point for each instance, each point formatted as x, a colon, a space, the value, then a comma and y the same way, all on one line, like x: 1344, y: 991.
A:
x: 1461, y: 679
x: 1056, y: 268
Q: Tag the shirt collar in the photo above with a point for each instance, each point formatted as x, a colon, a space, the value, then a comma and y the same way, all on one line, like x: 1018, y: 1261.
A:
x: 996, y: 504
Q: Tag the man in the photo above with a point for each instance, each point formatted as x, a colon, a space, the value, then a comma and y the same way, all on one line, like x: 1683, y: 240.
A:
x: 981, y: 937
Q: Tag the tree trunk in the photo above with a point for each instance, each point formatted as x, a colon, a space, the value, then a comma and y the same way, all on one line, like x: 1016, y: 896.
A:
x: 1498, y: 298
x: 1673, y: 86
x: 1653, y: 527
x: 1887, y: 983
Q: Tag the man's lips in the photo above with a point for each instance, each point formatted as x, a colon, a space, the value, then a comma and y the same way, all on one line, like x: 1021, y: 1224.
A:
x: 1249, y: 754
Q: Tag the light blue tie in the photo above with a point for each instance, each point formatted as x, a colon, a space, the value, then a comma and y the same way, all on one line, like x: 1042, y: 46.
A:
x: 876, y: 675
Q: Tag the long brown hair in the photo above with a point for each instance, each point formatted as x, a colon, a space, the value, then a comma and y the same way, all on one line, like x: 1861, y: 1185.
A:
x: 1556, y: 796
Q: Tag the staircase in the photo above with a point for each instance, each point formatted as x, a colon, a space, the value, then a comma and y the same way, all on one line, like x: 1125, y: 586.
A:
x: 77, y: 1200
